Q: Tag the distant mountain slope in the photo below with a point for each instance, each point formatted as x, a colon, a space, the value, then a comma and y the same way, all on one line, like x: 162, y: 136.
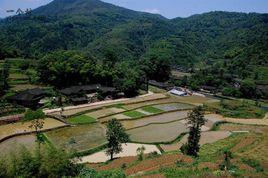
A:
x: 94, y: 26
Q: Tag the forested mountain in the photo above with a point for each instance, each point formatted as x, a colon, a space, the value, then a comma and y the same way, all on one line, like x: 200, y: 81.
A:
x: 95, y: 26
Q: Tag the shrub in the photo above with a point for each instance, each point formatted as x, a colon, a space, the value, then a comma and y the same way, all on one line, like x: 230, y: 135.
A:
x: 124, y: 166
x: 184, y: 148
x: 253, y: 163
x: 180, y: 163
x: 153, y: 154
x: 52, y: 163
x: 140, y: 153
x: 32, y: 115
x: 89, y: 172
x: 231, y: 92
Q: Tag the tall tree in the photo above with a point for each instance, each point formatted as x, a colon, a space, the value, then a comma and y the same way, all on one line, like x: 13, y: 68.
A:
x: 196, y: 120
x: 115, y: 135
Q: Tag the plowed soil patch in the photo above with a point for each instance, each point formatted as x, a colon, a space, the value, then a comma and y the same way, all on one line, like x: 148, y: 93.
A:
x: 212, y: 166
x: 245, y: 167
x: 117, y: 163
x: 243, y: 143
x: 157, y: 163
x: 154, y: 176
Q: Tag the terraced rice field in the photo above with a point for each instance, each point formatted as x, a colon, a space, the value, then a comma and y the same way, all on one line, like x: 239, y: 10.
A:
x: 105, y: 112
x: 206, y: 137
x: 239, y: 127
x: 129, y: 149
x: 174, y: 106
x: 158, y: 129
x: 17, y: 143
x: 152, y: 97
x: 156, y: 133
x: 204, y: 128
x: 80, y: 138
x: 169, y: 99
x: 82, y: 119
x: 162, y: 118
x: 134, y: 114
x: 146, y: 98
x: 187, y: 100
x: 18, y: 76
x: 216, y: 118
x: 149, y: 110
x: 23, y: 127
x: 194, y: 99
x: 21, y: 87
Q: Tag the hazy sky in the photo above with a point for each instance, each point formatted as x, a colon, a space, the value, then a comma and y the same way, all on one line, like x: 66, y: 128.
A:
x: 167, y: 8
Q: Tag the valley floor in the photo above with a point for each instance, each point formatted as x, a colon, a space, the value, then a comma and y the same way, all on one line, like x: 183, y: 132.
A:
x: 157, y: 121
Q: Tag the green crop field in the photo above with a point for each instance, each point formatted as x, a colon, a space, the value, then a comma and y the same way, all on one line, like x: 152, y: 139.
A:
x: 82, y: 119
x: 134, y: 114
x: 152, y: 109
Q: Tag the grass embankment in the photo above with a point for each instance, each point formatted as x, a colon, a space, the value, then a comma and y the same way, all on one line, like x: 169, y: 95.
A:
x: 236, y: 109
x: 82, y: 119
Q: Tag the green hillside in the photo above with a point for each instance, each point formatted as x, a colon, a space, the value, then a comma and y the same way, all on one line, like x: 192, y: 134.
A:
x: 94, y: 25
x: 229, y: 43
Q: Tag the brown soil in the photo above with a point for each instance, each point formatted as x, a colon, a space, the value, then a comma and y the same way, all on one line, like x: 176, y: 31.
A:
x: 117, y: 163
x: 157, y: 163
x: 154, y: 176
x: 212, y: 166
x: 243, y: 143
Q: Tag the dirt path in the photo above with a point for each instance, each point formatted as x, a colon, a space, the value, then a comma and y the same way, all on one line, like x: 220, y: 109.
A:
x: 128, y: 150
